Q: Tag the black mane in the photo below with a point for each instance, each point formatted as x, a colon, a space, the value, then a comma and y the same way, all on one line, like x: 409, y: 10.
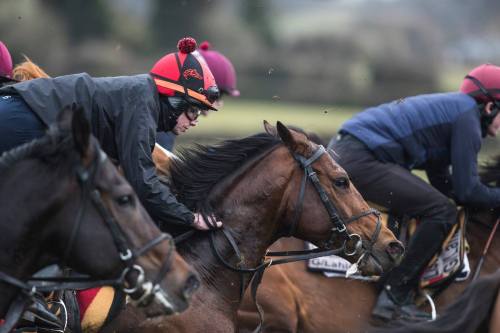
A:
x: 199, y: 169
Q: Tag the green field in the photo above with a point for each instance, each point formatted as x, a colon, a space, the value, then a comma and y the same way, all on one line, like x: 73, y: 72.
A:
x: 240, y: 118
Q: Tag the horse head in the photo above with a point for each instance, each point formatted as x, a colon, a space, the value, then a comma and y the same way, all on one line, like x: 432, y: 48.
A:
x: 78, y: 211
x: 337, y: 215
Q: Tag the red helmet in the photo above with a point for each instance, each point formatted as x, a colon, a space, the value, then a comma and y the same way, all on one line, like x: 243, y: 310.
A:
x: 222, y: 69
x: 483, y: 83
x: 183, y: 74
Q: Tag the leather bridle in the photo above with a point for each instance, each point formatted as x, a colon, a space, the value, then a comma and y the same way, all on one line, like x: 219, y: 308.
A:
x: 142, y: 292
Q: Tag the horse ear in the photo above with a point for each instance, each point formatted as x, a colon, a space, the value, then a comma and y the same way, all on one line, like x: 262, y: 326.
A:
x: 80, y: 129
x: 286, y: 136
x: 270, y: 129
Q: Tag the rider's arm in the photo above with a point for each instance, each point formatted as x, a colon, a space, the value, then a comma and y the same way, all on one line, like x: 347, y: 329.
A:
x: 135, y: 141
x: 465, y: 146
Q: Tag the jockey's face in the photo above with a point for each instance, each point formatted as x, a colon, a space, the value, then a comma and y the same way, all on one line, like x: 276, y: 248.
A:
x: 494, y: 127
x: 184, y: 122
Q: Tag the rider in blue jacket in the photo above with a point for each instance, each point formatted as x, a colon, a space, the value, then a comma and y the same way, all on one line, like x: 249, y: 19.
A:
x: 441, y: 134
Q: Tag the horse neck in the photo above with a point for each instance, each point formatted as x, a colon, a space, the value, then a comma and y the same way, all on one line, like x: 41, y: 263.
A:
x: 24, y: 229
x: 253, y: 217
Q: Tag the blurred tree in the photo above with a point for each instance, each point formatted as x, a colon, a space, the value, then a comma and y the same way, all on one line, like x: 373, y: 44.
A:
x: 257, y: 13
x: 83, y: 19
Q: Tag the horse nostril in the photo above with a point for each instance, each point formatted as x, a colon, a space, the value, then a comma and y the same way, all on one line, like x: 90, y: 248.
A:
x: 396, y: 250
x: 192, y: 284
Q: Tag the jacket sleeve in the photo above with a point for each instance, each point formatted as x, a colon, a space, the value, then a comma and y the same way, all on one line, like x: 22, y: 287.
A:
x: 465, y: 146
x: 135, y: 138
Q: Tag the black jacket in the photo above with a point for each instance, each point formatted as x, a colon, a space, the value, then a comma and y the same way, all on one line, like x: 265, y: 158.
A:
x: 125, y: 115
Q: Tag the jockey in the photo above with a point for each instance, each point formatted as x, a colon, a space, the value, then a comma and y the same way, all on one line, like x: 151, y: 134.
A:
x: 225, y: 77
x: 125, y: 114
x: 5, y: 65
x: 440, y: 133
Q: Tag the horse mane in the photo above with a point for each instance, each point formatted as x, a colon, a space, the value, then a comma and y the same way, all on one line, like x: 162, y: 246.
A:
x: 28, y: 70
x: 48, y: 148
x: 199, y: 169
x: 490, y: 171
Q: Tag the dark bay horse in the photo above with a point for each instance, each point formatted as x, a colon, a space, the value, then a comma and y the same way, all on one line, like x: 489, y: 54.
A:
x: 63, y: 202
x: 295, y: 300
x: 253, y: 185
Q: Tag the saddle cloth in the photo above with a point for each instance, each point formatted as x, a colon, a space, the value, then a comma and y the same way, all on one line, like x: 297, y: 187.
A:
x: 96, y: 305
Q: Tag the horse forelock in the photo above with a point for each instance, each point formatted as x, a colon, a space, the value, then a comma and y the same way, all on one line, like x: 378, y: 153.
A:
x: 198, y: 170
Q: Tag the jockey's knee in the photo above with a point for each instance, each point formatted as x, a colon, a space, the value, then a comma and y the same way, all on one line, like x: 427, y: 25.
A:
x: 443, y: 213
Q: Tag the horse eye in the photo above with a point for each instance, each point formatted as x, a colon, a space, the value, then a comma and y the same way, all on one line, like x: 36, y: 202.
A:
x: 124, y: 200
x: 341, y: 182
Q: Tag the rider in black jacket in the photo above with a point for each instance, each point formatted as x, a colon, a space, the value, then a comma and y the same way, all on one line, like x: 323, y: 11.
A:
x: 125, y: 114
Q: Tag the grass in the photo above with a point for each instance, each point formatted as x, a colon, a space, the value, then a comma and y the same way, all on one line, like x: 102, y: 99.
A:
x: 240, y: 118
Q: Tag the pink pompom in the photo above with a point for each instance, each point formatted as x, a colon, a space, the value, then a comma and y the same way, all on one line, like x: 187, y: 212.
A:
x: 187, y: 45
x: 205, y: 46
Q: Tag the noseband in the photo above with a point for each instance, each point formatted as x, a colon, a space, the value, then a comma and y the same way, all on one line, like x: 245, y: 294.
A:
x: 145, y: 290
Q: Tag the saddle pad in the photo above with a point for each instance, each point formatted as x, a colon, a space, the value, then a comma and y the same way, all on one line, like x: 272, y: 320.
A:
x: 451, y: 261
x: 95, y: 305
x: 331, y: 266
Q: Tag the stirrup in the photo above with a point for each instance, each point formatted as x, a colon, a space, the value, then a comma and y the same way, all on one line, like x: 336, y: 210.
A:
x: 39, y: 318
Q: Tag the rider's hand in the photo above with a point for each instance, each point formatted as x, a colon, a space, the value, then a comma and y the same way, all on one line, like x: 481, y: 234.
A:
x: 201, y: 224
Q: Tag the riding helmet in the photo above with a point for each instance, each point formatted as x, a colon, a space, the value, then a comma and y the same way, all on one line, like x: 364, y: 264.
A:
x: 185, y: 74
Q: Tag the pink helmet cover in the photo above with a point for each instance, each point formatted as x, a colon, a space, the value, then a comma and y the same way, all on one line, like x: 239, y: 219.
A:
x: 221, y: 68
x: 5, y: 61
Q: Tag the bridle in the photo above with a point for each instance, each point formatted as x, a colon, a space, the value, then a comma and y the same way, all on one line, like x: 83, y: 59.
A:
x: 141, y: 293
x: 338, y: 224
x: 352, y: 243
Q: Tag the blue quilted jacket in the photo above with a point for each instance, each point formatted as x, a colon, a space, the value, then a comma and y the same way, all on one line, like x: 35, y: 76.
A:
x: 440, y: 133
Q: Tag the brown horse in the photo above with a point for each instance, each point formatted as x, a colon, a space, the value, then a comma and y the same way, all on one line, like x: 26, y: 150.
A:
x: 253, y: 186
x: 63, y: 202
x: 295, y: 300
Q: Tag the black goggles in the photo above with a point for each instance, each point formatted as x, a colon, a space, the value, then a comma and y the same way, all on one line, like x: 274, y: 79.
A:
x: 192, y: 113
